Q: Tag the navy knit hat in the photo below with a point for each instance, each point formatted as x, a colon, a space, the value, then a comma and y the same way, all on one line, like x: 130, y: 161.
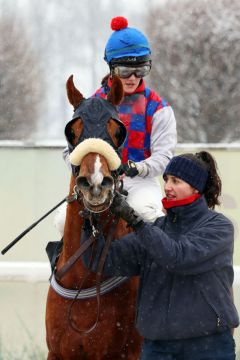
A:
x: 188, y: 170
x: 126, y: 42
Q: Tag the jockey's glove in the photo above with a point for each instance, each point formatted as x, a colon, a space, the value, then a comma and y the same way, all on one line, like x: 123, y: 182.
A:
x: 122, y: 209
x: 129, y: 169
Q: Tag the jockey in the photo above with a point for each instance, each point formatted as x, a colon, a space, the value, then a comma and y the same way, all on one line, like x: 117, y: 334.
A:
x: 149, y: 119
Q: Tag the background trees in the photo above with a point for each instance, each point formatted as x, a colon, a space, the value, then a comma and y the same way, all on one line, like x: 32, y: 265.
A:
x: 61, y: 37
x: 20, y: 81
x: 196, y: 66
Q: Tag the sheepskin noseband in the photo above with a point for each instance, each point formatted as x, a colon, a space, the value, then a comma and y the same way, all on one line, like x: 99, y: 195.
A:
x: 95, y: 146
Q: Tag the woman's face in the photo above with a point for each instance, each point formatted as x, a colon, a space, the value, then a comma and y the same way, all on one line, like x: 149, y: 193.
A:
x: 130, y: 84
x: 177, y: 189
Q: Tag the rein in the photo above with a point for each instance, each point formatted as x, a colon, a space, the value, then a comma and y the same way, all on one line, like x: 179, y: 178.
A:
x: 91, y: 241
x: 72, y: 260
x: 98, y: 278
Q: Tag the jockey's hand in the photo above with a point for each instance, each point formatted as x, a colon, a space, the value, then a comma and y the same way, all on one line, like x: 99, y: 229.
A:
x: 121, y: 208
x: 129, y: 169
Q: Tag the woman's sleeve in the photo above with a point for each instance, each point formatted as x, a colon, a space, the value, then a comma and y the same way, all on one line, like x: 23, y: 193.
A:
x: 124, y: 256
x: 208, y: 247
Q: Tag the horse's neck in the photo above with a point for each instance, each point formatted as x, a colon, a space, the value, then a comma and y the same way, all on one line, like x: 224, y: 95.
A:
x: 71, y: 238
x: 72, y: 231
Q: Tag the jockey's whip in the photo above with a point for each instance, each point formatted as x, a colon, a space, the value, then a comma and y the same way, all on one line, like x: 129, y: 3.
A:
x: 8, y: 247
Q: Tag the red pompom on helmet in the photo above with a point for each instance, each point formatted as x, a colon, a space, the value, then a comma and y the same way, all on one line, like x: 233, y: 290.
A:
x: 119, y: 23
x: 126, y: 42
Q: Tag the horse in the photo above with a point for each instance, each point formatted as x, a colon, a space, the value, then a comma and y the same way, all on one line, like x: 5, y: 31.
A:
x: 99, y: 324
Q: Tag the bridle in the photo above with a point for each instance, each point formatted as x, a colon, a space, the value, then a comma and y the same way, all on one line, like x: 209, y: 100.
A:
x: 95, y: 114
x: 91, y: 241
x: 104, y: 108
x: 86, y: 213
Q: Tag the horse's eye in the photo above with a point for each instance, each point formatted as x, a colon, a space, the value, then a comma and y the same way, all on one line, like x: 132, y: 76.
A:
x: 107, y: 181
x: 70, y: 135
x: 82, y: 182
x: 120, y: 135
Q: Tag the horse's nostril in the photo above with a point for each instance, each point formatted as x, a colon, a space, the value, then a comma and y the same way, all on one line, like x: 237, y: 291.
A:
x: 82, y: 182
x: 107, y: 182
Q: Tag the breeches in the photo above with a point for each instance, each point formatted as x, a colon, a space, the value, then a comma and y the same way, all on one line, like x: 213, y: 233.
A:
x: 144, y: 196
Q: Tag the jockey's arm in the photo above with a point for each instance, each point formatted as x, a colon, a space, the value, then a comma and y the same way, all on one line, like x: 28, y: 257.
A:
x: 163, y: 143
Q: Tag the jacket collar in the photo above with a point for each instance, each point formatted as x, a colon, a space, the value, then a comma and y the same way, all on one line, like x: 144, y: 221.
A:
x: 167, y: 204
x: 188, y: 213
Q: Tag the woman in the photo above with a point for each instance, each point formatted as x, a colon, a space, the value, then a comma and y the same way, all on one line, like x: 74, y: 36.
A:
x: 185, y: 308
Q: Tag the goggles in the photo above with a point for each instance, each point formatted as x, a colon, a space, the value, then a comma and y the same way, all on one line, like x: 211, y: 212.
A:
x: 125, y: 72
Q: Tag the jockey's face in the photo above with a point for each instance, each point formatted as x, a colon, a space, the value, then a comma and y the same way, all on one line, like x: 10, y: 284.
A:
x: 177, y: 189
x: 130, y: 84
x: 131, y: 75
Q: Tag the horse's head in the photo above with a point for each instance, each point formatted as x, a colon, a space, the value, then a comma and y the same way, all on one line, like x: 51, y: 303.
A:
x: 94, y: 135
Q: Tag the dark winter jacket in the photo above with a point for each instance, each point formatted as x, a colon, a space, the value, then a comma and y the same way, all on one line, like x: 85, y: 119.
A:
x: 186, y: 273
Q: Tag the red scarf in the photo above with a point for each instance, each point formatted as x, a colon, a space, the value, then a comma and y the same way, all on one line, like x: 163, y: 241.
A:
x: 167, y: 204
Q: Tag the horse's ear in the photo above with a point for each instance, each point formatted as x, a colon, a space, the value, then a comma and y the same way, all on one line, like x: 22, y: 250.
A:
x: 116, y: 93
x: 74, y: 95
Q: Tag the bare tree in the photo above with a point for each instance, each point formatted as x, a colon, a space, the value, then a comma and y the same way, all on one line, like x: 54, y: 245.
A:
x: 20, y: 82
x: 68, y: 37
x: 196, y: 66
x: 71, y: 42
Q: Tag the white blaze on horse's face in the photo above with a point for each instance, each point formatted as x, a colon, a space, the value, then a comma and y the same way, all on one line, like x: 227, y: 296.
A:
x: 95, y: 181
x: 97, y: 176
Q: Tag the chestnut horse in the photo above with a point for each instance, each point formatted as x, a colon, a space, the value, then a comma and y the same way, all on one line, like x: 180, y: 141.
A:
x: 84, y: 327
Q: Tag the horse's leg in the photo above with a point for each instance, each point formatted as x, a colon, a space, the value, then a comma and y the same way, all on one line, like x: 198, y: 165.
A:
x: 51, y: 356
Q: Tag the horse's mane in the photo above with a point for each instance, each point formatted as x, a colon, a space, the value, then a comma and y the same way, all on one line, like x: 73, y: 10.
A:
x: 105, y: 79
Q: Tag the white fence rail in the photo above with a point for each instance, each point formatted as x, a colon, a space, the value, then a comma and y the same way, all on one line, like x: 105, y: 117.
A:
x: 35, y: 272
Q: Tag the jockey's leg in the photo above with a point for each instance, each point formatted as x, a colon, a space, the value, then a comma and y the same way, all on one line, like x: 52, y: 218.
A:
x: 145, y: 196
x: 60, y: 217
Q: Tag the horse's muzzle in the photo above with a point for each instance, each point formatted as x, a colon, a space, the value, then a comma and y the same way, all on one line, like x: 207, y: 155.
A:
x: 97, y: 197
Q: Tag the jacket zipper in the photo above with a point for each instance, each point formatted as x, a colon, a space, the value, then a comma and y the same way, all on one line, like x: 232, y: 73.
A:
x: 213, y: 308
